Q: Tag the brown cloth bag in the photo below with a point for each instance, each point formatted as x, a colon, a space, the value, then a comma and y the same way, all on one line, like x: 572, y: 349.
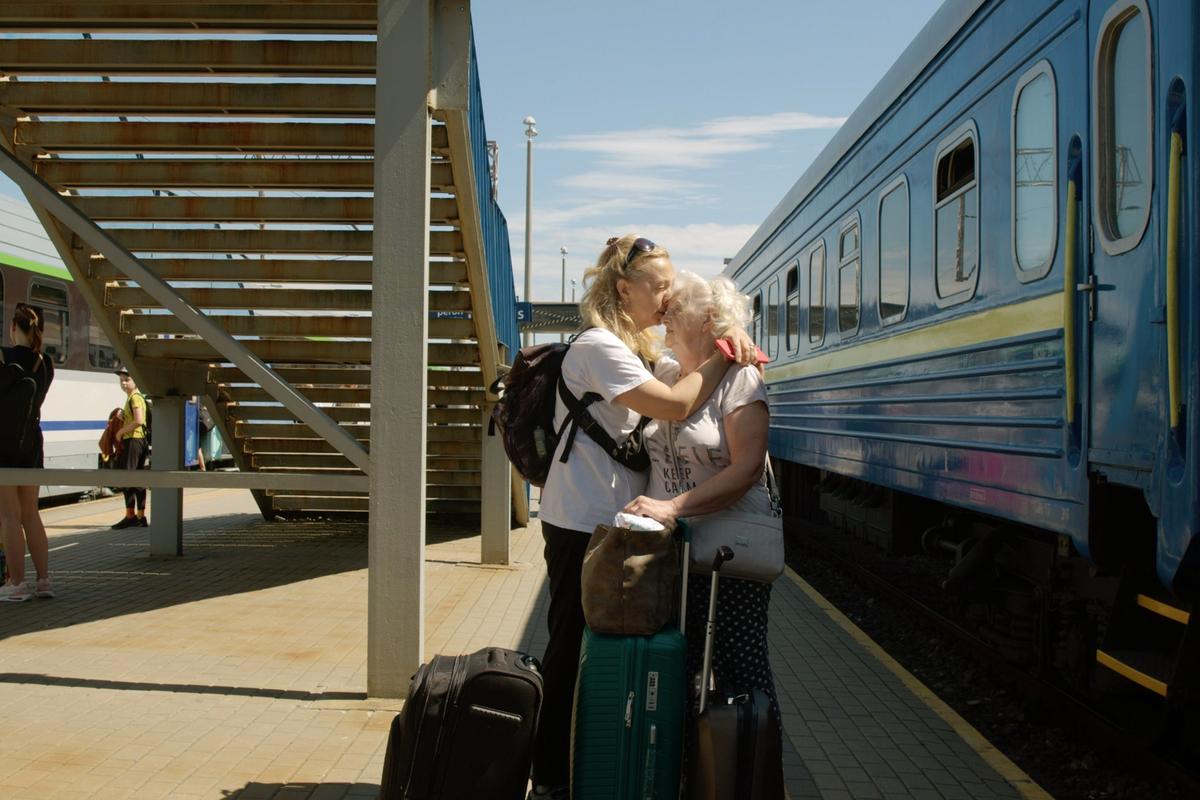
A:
x: 630, y: 580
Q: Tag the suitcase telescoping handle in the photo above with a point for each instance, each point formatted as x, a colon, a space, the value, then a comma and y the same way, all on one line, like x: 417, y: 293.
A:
x: 685, y: 533
x: 723, y: 554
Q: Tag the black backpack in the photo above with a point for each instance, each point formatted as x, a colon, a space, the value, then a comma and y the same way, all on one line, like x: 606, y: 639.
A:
x: 18, y: 407
x: 525, y: 416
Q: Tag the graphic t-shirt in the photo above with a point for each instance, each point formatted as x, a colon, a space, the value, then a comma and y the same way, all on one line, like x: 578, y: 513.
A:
x: 685, y: 454
x: 591, y: 487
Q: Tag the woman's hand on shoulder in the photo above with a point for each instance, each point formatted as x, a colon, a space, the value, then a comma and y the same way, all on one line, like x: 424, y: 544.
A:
x: 744, y: 350
x: 664, y: 511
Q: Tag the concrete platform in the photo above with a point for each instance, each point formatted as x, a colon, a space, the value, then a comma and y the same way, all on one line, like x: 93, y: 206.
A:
x: 238, y: 670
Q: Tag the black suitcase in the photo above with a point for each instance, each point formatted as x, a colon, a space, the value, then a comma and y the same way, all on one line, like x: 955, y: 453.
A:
x: 736, y: 750
x: 466, y: 729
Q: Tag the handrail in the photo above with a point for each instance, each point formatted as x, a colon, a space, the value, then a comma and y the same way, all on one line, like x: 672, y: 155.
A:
x: 491, y: 218
x: 1174, y: 187
x: 1070, y: 359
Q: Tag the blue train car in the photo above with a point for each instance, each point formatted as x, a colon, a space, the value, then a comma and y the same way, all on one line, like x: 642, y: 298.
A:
x: 981, y: 302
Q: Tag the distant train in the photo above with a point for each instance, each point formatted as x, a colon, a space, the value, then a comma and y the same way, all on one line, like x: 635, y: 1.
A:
x: 981, y: 301
x: 84, y: 389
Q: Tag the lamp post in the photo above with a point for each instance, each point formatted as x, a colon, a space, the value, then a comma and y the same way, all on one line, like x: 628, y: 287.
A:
x: 530, y: 132
x: 572, y: 290
x: 562, y: 291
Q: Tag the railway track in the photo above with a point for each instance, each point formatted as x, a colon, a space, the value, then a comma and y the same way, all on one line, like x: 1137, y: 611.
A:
x: 1094, y: 729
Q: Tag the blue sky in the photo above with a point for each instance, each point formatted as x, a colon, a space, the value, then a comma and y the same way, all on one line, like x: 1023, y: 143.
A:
x: 686, y: 122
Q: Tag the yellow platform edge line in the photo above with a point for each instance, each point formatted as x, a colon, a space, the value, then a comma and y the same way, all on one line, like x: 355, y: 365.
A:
x: 995, y: 759
x: 1126, y: 671
x: 1163, y: 609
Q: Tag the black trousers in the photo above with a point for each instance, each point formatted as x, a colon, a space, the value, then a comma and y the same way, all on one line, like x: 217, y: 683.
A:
x: 564, y: 563
x: 135, y: 458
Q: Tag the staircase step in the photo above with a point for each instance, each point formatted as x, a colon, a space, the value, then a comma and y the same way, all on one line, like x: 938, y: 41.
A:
x: 1164, y: 609
x: 1149, y: 670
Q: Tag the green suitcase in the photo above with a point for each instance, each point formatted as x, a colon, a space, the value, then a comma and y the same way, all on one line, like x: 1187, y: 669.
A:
x: 627, y: 731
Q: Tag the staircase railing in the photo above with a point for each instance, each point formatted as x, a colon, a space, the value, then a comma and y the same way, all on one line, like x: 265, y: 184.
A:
x: 492, y: 221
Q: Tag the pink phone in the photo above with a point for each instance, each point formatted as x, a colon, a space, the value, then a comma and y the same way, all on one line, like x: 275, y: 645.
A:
x: 727, y: 350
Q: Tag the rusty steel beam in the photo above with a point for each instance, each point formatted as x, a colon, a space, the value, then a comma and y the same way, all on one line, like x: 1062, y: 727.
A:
x: 273, y: 351
x: 197, y: 137
x: 267, y: 270
x: 297, y: 352
x: 254, y: 325
x: 324, y: 174
x: 299, y: 461
x: 260, y: 17
x: 332, y: 375
x: 276, y: 58
x: 125, y: 208
x: 254, y: 394
x: 315, y: 210
x: 277, y: 413
x: 275, y: 299
x: 90, y: 99
x: 313, y: 174
x: 208, y: 240
x: 301, y: 242
x: 291, y: 430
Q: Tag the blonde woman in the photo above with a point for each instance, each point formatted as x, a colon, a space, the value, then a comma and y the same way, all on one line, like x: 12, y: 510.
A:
x: 712, y: 461
x: 625, y: 295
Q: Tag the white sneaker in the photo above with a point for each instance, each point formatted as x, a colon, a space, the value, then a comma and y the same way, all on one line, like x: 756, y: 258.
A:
x: 16, y: 593
x: 44, y: 588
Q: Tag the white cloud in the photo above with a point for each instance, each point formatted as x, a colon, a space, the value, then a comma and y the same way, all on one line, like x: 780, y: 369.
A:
x: 692, y: 147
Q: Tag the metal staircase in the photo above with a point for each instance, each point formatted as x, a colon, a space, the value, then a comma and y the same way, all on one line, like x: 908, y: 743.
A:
x: 230, y: 148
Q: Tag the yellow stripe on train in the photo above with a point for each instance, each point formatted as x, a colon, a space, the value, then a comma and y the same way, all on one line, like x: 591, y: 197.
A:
x: 1017, y: 319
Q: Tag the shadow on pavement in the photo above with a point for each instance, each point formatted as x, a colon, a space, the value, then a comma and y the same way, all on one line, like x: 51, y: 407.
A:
x: 302, y: 791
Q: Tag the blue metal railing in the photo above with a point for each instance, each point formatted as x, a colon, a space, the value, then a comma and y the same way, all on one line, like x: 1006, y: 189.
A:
x: 491, y: 218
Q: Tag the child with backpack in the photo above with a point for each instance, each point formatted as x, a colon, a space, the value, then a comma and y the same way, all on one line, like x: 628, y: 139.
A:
x: 25, y: 377
x: 134, y: 438
x: 605, y: 372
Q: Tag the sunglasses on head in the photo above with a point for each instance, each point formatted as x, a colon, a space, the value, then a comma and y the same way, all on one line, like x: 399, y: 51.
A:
x: 640, y: 245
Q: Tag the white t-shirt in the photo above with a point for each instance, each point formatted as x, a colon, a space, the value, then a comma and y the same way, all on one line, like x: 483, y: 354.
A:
x: 591, y: 487
x: 700, y: 444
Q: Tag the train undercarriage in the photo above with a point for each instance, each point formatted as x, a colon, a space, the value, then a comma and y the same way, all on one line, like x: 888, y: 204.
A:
x: 1103, y: 628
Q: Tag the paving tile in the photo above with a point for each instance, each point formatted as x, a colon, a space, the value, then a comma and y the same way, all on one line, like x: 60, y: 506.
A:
x: 238, y: 670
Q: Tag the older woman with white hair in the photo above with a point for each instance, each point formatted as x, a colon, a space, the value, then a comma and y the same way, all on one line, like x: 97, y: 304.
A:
x: 713, y: 461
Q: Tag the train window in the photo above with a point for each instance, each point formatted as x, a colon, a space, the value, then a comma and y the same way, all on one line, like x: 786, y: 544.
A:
x: 756, y: 318
x: 893, y: 251
x: 816, y: 294
x: 1123, y: 127
x: 1034, y: 173
x: 849, y: 261
x: 956, y: 217
x: 52, y: 301
x: 792, y: 327
x: 773, y: 318
x: 100, y: 353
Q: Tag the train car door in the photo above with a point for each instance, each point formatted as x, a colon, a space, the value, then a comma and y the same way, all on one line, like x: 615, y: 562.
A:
x: 1120, y: 290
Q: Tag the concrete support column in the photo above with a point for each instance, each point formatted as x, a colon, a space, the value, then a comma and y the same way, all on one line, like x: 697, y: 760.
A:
x: 399, y: 358
x: 166, y: 505
x: 496, y: 493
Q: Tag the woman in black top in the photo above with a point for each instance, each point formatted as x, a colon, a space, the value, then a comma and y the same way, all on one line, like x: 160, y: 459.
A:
x: 20, y: 520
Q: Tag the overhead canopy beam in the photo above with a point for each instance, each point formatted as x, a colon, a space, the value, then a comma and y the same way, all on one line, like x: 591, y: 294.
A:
x: 40, y: 193
x: 203, y: 137
x: 261, y: 17
x: 274, y: 58
x: 352, y: 101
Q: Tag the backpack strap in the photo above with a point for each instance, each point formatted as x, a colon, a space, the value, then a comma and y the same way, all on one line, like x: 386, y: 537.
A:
x: 629, y: 453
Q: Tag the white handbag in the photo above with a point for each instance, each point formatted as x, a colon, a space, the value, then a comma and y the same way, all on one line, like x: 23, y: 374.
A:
x: 756, y: 539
